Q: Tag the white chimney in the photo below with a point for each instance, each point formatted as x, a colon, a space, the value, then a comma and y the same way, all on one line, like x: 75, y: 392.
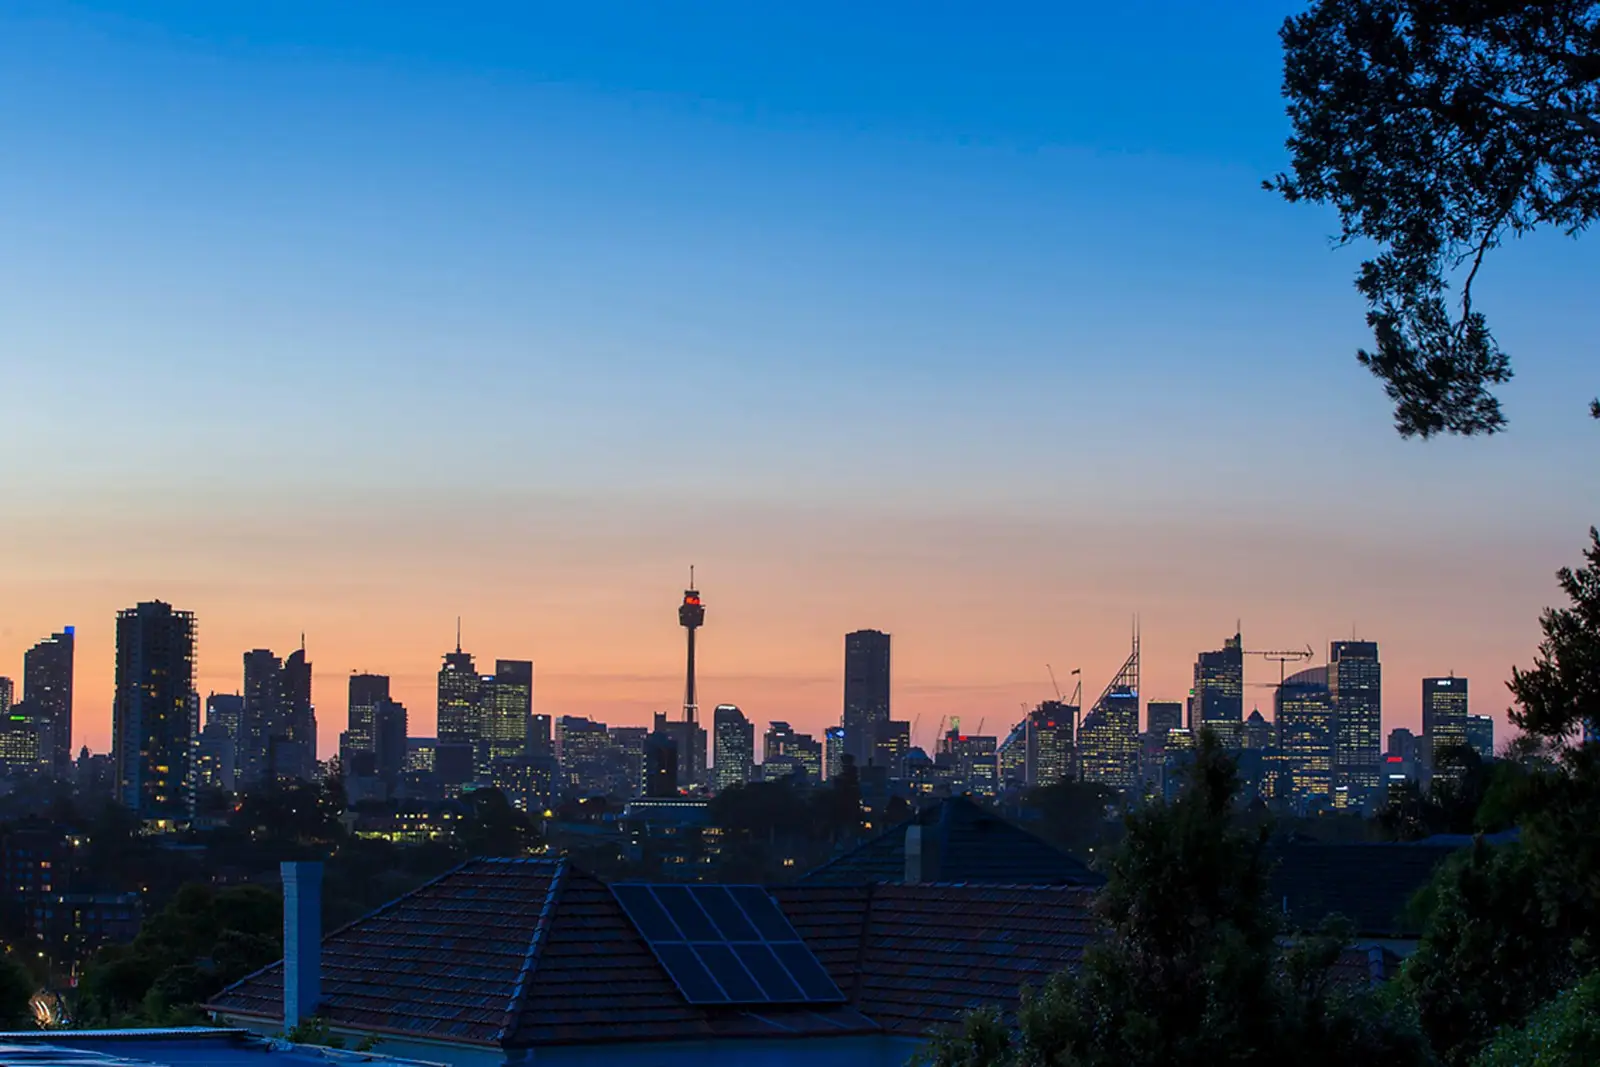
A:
x: 913, y: 854
x: 302, y: 942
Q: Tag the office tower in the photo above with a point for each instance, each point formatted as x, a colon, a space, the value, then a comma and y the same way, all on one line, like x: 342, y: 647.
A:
x: 1012, y: 756
x: 691, y: 738
x: 47, y: 686
x: 582, y: 747
x: 972, y: 760
x: 625, y: 761
x: 1161, y: 718
x: 20, y: 728
x: 262, y: 673
x: 226, y: 710
x: 1257, y: 731
x: 391, y: 747
x: 1108, y: 742
x: 1404, y: 744
x: 367, y: 693
x: 541, y: 741
x: 1219, y: 685
x: 294, y: 742
x: 833, y: 751
x: 1480, y: 736
x: 214, y: 759
x: 733, y: 743
x: 784, y: 749
x: 151, y: 724
x: 460, y: 711
x: 1355, y: 683
x: 661, y: 763
x: 891, y: 743
x: 866, y: 690
x: 1444, y: 725
x: 6, y: 691
x: 509, y: 716
x: 1305, y: 721
x: 1049, y: 743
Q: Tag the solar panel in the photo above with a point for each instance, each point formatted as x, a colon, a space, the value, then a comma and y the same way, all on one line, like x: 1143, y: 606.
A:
x: 726, y: 945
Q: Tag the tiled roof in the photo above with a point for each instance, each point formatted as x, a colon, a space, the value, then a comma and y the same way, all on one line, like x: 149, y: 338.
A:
x: 1370, y: 884
x: 913, y: 957
x: 442, y: 961
x: 532, y: 953
x: 962, y: 842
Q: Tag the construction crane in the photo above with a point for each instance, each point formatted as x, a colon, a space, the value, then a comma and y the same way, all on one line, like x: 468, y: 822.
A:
x: 1283, y: 658
x: 1053, y: 683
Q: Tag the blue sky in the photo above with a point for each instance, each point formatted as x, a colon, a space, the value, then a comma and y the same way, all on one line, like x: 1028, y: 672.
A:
x: 476, y: 274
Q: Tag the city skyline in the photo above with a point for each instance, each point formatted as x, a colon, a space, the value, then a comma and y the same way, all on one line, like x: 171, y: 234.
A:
x: 914, y: 699
x: 985, y: 337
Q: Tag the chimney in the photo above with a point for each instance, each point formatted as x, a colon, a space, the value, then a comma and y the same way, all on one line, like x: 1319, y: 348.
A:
x: 913, y: 854
x: 302, y: 942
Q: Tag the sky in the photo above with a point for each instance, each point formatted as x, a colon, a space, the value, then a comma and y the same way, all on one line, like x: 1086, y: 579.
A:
x: 971, y: 324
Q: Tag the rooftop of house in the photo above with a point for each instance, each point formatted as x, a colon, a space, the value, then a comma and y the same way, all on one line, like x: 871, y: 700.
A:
x: 182, y: 1047
x: 961, y: 842
x: 1370, y: 884
x: 533, y: 952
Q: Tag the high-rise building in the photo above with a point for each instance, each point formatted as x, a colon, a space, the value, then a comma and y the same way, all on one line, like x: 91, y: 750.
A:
x: 541, y: 738
x: 733, y: 743
x: 294, y: 742
x: 278, y: 723
x: 368, y: 693
x: 214, y: 760
x: 262, y: 673
x: 833, y: 751
x: 6, y: 693
x: 224, y: 718
x: 1161, y: 718
x: 891, y: 743
x: 20, y: 730
x: 661, y: 763
x: 391, y: 747
x: 1480, y: 736
x: 784, y: 747
x: 1305, y: 721
x: 152, y: 729
x: 1012, y: 756
x: 507, y: 722
x: 1219, y: 685
x: 1050, y: 743
x: 1108, y: 742
x: 1257, y: 731
x: 866, y: 691
x: 626, y: 770
x: 460, y: 711
x: 973, y: 760
x: 1444, y: 725
x: 1355, y: 683
x: 47, y: 686
x: 583, y: 748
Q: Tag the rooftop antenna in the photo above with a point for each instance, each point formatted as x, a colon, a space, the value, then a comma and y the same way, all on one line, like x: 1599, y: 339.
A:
x: 458, y: 635
x: 302, y: 641
x: 691, y: 576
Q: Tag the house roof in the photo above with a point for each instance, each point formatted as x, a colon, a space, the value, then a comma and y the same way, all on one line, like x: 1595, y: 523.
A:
x: 534, y: 952
x: 1372, y: 885
x: 963, y: 842
x: 180, y: 1047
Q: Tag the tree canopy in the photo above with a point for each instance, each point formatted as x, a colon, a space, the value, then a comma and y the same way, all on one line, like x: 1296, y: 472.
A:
x: 1437, y: 128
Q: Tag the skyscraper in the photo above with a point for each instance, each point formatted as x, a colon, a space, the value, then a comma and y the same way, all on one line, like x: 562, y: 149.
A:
x: 1050, y: 743
x: 866, y: 691
x: 691, y: 739
x: 733, y: 743
x: 509, y: 717
x: 833, y: 752
x: 262, y: 675
x: 1108, y: 742
x: 47, y: 687
x: 294, y: 739
x: 460, y: 711
x: 1305, y: 721
x: 368, y: 693
x: 151, y: 725
x: 278, y: 725
x: 6, y: 692
x: 1355, y: 683
x: 1161, y: 718
x: 390, y: 743
x: 1219, y: 685
x: 1444, y: 724
x: 1480, y: 736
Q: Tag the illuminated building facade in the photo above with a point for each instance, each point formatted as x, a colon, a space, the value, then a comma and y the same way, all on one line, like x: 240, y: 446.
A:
x: 1161, y: 718
x: 1219, y: 685
x: 1108, y: 742
x: 1050, y: 743
x: 891, y: 743
x: 783, y: 747
x: 733, y: 743
x: 833, y: 751
x: 1305, y: 721
x: 1355, y: 682
x: 1480, y: 736
x: 1444, y: 725
x: 368, y: 692
x: 152, y: 728
x: 866, y: 691
x: 460, y: 708
x: 47, y: 687
x: 509, y: 716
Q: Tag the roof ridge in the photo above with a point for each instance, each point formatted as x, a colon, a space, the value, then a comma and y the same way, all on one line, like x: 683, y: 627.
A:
x: 859, y: 846
x: 379, y: 910
x: 530, y: 959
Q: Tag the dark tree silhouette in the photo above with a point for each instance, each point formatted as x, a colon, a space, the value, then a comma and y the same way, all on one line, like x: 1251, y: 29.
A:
x: 1561, y: 693
x: 1437, y: 128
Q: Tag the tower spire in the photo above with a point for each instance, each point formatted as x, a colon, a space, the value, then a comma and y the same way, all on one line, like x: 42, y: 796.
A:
x: 458, y: 635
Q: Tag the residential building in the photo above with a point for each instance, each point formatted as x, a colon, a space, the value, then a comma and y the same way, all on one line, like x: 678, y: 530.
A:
x: 47, y: 670
x: 866, y: 690
x: 152, y: 728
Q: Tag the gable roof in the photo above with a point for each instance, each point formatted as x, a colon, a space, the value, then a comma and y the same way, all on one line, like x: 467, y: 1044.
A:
x: 962, y: 842
x: 520, y: 953
x: 1372, y: 885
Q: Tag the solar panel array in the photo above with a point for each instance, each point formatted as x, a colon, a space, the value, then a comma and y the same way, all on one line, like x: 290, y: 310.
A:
x: 726, y: 944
